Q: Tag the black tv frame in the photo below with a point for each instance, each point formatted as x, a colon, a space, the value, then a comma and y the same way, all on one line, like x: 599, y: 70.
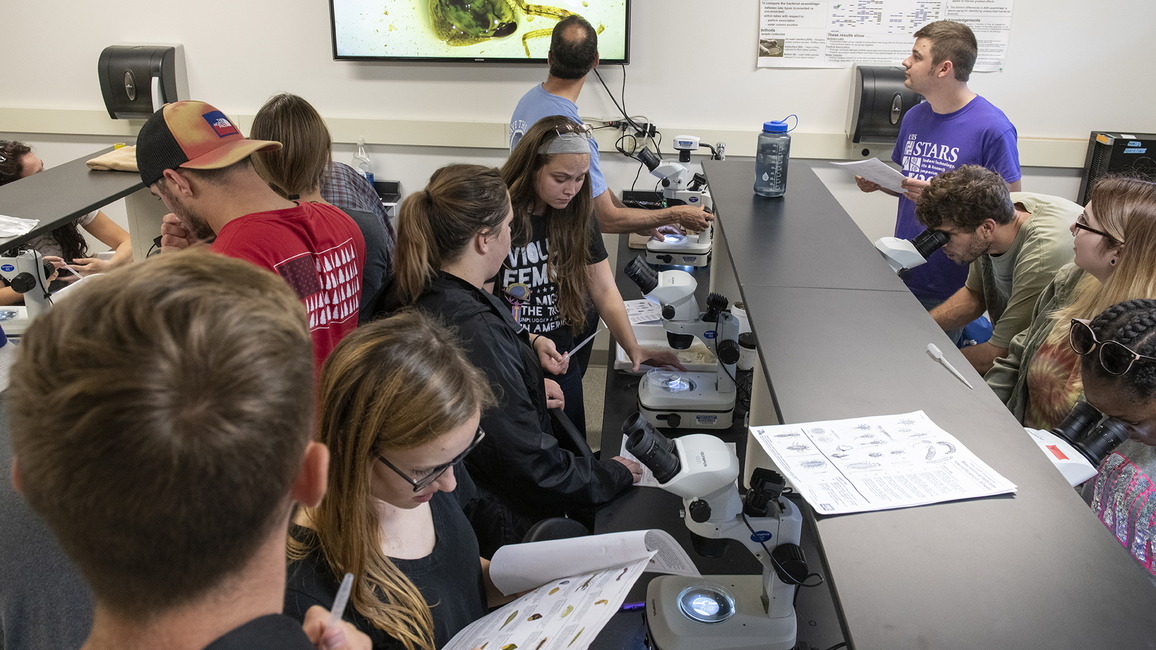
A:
x: 625, y: 60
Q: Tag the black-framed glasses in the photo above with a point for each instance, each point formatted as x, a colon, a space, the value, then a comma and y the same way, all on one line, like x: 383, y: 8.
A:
x: 1082, y: 224
x: 1115, y: 357
x: 584, y: 130
x: 422, y: 483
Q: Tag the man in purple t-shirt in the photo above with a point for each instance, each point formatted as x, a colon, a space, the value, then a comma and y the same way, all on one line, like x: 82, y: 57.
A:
x: 954, y: 127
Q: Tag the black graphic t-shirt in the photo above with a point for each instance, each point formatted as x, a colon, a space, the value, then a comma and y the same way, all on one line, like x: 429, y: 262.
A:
x: 525, y: 286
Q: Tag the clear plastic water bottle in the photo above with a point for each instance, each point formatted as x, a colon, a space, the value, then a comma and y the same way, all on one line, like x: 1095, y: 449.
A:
x: 774, y: 150
x: 362, y: 163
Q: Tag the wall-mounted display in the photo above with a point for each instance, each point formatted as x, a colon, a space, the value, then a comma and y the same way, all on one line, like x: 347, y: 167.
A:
x: 469, y: 30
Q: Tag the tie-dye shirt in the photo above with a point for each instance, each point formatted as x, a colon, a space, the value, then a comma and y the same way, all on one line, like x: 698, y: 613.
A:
x: 1054, y: 385
x: 1123, y: 496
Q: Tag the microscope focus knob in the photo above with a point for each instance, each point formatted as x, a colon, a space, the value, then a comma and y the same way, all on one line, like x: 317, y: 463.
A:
x: 699, y: 511
x: 668, y: 312
x: 728, y: 351
x: 23, y: 283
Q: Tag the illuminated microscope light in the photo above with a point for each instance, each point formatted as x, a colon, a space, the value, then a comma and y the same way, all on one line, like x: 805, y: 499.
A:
x: 669, y: 381
x: 674, y: 239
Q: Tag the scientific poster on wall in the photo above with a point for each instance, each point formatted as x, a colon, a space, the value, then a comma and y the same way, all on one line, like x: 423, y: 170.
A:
x: 838, y: 33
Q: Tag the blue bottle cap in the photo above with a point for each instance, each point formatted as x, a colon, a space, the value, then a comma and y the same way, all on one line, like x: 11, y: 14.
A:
x: 775, y: 126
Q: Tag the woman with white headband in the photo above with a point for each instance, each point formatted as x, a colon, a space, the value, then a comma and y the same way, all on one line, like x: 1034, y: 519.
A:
x: 556, y: 279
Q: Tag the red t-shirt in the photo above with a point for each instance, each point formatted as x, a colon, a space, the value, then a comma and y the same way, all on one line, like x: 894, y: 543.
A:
x: 320, y: 253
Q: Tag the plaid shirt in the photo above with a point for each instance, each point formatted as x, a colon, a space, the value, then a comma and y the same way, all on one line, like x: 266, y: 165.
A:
x: 345, y: 187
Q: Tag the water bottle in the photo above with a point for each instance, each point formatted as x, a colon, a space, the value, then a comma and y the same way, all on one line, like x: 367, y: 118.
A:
x: 774, y: 150
x: 362, y: 163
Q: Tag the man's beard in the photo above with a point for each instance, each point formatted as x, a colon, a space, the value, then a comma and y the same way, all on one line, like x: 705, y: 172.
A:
x: 196, y: 226
x: 192, y: 221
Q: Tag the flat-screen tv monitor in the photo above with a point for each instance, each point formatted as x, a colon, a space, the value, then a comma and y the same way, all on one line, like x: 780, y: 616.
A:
x: 507, y: 31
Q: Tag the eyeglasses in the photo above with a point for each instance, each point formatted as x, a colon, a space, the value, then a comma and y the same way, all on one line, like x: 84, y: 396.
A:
x: 584, y: 130
x: 1082, y: 224
x: 1115, y: 357
x: 434, y: 474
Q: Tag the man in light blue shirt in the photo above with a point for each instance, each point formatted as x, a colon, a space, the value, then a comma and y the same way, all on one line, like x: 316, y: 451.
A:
x: 573, y: 54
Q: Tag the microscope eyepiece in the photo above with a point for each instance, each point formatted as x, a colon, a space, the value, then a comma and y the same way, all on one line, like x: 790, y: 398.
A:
x: 1078, y: 422
x: 640, y: 272
x: 929, y: 241
x: 647, y: 157
x: 1091, y: 433
x: 1102, y: 440
x: 651, y: 448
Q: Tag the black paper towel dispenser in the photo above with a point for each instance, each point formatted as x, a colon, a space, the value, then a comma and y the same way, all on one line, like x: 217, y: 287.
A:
x: 878, y: 102
x: 136, y: 80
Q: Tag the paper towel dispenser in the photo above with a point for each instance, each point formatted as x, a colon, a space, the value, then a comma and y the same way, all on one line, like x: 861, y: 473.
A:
x: 136, y: 80
x: 878, y: 102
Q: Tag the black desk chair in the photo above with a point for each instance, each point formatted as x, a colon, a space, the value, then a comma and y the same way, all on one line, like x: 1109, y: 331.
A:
x: 568, y: 435
x: 572, y: 440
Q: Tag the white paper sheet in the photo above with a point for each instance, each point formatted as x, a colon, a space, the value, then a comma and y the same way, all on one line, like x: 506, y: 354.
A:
x: 560, y: 615
x: 877, y: 463
x: 643, y: 311
x: 876, y: 171
x: 518, y: 567
x: 818, y: 34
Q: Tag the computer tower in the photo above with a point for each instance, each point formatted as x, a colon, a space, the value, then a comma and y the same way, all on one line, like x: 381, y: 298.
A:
x: 1115, y: 152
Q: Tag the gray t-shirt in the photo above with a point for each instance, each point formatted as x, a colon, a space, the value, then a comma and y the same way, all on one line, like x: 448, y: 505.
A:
x: 46, y: 245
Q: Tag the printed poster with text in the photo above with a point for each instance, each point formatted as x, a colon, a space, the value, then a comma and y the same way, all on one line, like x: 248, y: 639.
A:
x: 837, y: 33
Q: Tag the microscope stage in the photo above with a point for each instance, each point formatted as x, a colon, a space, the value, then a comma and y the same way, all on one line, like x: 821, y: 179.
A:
x: 697, y: 404
x: 680, y: 250
x: 14, y: 319
x: 746, y: 627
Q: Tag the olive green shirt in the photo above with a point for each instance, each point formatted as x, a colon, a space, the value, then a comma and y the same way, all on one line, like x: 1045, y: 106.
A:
x: 1008, y: 376
x: 1011, y: 282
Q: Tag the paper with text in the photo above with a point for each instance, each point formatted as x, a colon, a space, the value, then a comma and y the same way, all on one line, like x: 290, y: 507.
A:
x: 877, y: 172
x: 518, y: 567
x: 560, y: 615
x: 877, y: 463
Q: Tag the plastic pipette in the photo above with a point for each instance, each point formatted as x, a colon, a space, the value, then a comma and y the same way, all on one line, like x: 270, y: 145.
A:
x: 938, y: 356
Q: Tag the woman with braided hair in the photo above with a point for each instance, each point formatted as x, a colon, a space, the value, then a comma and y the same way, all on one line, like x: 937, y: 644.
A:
x: 1118, y: 364
x: 65, y: 244
x: 1115, y: 243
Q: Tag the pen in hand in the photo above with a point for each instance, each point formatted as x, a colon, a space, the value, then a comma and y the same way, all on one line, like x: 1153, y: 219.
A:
x: 341, y: 600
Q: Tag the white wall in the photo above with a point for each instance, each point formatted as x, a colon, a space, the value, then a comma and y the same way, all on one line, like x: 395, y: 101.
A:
x: 1073, y: 66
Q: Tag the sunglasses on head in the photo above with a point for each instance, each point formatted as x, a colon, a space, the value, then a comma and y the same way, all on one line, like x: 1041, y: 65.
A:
x: 584, y: 130
x: 1115, y: 358
x: 423, y: 482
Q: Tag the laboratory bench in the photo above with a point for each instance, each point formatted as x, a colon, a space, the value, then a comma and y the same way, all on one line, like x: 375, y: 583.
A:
x: 840, y: 336
x: 67, y: 192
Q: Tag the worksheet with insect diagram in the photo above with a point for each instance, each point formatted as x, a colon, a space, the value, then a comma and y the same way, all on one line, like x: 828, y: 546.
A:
x: 560, y: 615
x: 877, y: 463
x: 580, y: 583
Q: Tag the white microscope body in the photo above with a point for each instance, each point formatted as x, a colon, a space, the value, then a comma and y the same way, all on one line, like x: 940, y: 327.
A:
x: 698, y: 400
x: 722, y: 612
x: 25, y: 273
x: 902, y: 255
x: 680, y: 187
